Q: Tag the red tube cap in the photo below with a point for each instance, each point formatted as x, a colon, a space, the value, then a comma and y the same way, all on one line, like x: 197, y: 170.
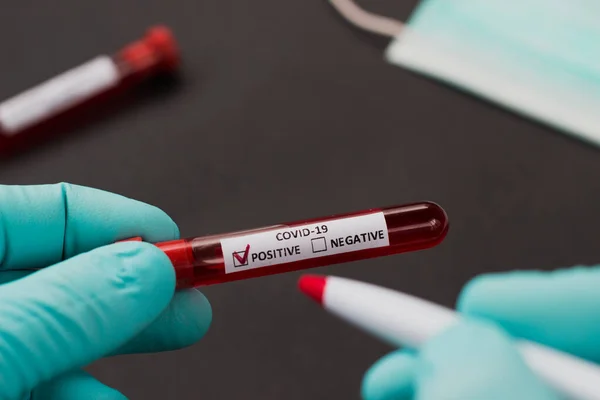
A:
x: 161, y: 39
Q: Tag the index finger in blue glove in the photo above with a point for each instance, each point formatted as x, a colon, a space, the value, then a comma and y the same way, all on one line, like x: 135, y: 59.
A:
x: 184, y: 322
x: 58, y: 319
x: 76, y: 385
x: 43, y: 224
x: 560, y: 309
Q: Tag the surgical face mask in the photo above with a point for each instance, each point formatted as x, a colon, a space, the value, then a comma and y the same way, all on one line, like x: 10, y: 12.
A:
x: 539, y: 58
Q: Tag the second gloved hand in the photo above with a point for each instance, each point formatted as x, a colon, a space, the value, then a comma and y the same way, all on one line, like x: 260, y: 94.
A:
x: 477, y: 360
x: 470, y: 361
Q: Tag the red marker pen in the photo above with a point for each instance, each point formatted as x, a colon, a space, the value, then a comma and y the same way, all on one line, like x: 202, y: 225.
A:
x: 306, y: 244
x: 34, y: 111
x: 410, y: 322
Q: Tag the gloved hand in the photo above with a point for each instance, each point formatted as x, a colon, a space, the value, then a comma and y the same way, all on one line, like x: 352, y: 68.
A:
x: 93, y: 298
x: 476, y: 359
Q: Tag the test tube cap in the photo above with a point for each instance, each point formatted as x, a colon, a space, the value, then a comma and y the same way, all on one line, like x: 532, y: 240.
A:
x: 161, y: 39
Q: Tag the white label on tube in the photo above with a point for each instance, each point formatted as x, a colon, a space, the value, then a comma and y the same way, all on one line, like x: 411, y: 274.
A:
x: 303, y: 242
x: 57, y: 94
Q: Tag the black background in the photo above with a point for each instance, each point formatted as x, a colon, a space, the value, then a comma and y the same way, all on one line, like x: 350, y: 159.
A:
x: 285, y: 112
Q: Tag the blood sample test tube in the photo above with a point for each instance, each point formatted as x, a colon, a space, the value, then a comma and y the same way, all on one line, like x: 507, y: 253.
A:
x: 305, y: 244
x: 34, y: 112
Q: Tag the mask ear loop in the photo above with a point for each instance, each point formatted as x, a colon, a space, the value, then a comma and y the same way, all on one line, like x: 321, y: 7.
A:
x: 365, y: 20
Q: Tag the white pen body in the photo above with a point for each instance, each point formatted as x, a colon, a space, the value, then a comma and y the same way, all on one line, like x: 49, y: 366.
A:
x: 397, y: 318
x: 407, y: 321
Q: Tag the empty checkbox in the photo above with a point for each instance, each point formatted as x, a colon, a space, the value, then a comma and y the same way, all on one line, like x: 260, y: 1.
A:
x: 318, y: 245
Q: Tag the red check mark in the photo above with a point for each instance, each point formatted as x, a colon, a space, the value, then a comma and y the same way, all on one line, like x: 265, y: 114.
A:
x: 244, y: 259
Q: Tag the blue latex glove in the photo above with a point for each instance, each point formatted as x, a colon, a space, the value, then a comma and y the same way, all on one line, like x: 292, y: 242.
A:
x: 477, y: 360
x: 104, y: 299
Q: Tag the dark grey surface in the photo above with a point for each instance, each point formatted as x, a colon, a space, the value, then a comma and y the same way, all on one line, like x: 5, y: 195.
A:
x: 284, y: 112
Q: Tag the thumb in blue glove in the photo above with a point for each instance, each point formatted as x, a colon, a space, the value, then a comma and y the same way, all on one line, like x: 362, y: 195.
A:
x: 93, y: 299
